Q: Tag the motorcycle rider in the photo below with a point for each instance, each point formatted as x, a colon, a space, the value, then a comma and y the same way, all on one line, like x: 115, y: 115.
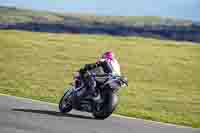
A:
x: 107, y: 64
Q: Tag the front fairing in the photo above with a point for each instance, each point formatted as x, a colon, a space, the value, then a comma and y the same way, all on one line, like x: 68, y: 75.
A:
x: 115, y: 83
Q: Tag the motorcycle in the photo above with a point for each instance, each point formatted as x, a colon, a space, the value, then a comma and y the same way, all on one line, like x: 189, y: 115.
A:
x: 101, y: 106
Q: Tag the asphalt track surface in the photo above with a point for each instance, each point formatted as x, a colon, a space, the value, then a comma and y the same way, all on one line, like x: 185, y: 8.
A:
x: 18, y: 115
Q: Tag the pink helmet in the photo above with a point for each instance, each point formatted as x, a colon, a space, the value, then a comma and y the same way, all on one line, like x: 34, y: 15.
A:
x: 108, y: 55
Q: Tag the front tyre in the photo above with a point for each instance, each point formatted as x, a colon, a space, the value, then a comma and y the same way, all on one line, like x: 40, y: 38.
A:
x: 65, y: 104
x: 109, y: 105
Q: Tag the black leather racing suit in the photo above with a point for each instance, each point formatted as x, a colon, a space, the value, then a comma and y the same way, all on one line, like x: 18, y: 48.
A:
x: 88, y: 80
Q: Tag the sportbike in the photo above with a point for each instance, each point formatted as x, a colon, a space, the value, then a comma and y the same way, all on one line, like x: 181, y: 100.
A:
x: 103, y: 105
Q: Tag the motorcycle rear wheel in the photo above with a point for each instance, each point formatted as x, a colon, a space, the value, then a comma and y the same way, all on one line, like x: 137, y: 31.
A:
x: 65, y: 105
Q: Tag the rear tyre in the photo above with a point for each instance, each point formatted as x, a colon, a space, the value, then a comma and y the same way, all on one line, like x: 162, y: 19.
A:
x: 109, y: 105
x: 65, y: 104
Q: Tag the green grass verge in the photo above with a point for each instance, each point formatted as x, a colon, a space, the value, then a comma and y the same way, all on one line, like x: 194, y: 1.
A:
x: 163, y: 75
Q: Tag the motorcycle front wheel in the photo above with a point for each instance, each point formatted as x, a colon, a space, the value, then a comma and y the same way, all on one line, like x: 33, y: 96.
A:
x: 108, y: 106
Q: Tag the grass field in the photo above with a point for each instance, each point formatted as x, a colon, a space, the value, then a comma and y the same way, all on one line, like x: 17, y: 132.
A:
x: 164, y: 76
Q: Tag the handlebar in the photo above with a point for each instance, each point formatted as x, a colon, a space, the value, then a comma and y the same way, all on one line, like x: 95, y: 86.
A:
x: 122, y: 78
x: 102, y: 75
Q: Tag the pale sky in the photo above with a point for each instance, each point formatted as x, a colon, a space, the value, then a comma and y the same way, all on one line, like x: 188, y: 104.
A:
x: 185, y: 9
